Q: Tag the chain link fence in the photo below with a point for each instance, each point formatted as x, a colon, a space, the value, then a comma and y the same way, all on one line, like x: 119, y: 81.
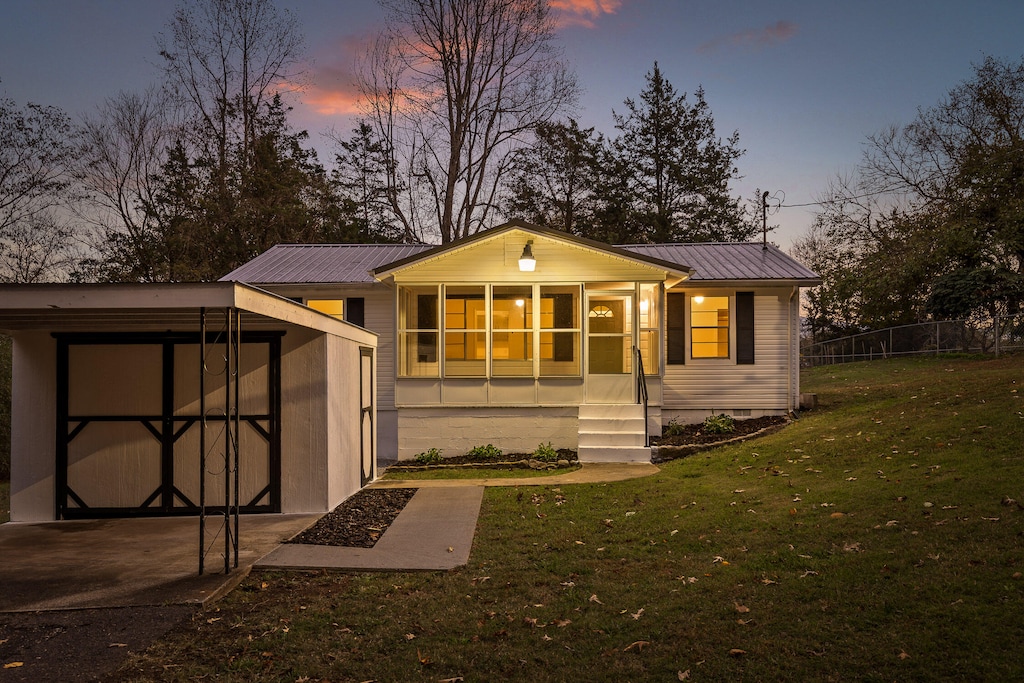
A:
x: 999, y: 335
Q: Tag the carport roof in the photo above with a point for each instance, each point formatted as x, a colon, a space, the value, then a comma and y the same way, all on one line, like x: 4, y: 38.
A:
x: 154, y: 307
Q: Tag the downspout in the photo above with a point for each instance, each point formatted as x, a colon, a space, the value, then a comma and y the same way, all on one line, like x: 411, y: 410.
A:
x: 789, y: 356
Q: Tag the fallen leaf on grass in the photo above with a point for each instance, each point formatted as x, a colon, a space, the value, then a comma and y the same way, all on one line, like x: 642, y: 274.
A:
x: 13, y: 665
x: 410, y: 636
x: 904, y: 655
x: 424, y: 659
x: 562, y: 623
x: 451, y: 549
x: 742, y: 609
x: 457, y: 679
x: 593, y: 598
x: 736, y: 652
x: 637, y: 615
x: 744, y: 622
x: 683, y: 675
x: 118, y: 645
x: 638, y: 646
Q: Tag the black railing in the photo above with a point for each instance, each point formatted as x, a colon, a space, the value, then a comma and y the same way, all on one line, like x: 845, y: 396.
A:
x: 641, y: 389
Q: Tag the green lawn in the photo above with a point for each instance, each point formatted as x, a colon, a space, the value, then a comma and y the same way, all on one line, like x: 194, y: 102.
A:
x: 873, y: 540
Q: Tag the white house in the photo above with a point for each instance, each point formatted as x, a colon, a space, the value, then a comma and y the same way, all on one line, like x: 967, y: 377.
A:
x: 522, y: 335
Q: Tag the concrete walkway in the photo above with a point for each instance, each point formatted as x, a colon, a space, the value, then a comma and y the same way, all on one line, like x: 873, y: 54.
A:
x: 435, y: 530
x: 590, y: 473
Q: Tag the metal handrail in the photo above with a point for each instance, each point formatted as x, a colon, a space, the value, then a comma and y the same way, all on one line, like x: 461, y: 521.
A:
x: 641, y: 389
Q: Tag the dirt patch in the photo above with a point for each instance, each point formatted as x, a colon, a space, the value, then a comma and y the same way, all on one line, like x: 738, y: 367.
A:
x: 358, y: 522
x: 79, y: 645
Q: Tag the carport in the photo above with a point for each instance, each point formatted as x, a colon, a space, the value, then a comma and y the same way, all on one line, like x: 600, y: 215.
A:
x: 205, y: 400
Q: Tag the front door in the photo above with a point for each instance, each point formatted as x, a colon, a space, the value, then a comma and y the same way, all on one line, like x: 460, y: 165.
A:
x: 609, y: 330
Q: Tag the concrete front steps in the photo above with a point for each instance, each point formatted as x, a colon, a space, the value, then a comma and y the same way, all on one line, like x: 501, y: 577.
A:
x: 612, y: 433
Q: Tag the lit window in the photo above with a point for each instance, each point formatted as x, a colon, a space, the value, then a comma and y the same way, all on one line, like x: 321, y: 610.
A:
x: 335, y: 307
x: 709, y: 327
x: 417, y: 332
x: 650, y: 332
x: 465, y: 332
x: 559, y: 331
x: 512, y: 331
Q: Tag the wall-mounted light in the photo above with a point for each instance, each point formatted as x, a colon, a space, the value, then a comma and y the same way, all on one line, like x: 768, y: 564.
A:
x: 698, y: 299
x: 527, y: 262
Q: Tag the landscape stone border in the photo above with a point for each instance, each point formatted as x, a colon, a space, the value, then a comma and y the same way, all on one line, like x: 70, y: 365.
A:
x: 666, y: 453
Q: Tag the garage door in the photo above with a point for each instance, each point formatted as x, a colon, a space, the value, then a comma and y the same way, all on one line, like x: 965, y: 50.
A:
x: 130, y: 434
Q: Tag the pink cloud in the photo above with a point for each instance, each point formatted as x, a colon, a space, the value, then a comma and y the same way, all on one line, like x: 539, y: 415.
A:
x: 583, y: 13
x: 754, y: 39
x: 331, y: 89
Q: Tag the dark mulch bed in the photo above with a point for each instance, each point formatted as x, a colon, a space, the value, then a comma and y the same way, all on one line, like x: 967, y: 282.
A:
x: 694, y: 434
x: 503, y: 461
x: 358, y: 522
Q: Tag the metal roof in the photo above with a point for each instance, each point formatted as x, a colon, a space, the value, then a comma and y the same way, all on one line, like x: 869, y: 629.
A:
x: 353, y: 263
x: 301, y: 263
x: 730, y: 261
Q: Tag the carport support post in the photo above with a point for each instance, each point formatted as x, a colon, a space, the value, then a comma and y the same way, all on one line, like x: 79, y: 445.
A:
x: 202, y: 439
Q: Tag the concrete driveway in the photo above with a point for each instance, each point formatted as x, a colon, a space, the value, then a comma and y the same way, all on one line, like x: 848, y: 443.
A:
x: 127, y: 562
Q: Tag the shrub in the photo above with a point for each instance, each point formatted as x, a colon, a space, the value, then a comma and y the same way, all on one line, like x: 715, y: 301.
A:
x: 719, y: 424
x: 488, y: 452
x: 673, y: 428
x: 430, y: 457
x: 545, y: 453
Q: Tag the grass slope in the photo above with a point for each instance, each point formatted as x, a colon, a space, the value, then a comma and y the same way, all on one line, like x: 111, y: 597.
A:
x: 868, y: 541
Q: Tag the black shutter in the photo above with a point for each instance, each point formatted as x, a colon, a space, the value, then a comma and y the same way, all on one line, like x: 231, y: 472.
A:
x: 744, y: 328
x: 355, y: 310
x: 676, y: 326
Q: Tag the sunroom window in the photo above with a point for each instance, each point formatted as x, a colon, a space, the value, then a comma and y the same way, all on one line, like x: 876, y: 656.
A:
x: 650, y: 332
x: 512, y: 331
x: 497, y: 331
x: 559, y: 331
x: 417, y: 332
x: 465, y: 331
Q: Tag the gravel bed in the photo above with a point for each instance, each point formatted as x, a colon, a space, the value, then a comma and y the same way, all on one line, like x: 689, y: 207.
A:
x: 360, y: 521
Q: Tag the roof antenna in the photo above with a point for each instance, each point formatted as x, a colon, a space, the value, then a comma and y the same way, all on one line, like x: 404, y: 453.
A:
x: 764, y: 221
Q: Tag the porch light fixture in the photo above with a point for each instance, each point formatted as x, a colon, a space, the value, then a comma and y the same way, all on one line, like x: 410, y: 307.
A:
x: 527, y: 262
x: 698, y: 299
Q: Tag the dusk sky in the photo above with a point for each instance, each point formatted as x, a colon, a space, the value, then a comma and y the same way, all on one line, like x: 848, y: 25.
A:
x: 803, y: 81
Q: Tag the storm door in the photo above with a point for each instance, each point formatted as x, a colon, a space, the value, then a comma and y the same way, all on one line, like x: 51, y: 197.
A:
x: 128, y: 424
x: 609, y: 330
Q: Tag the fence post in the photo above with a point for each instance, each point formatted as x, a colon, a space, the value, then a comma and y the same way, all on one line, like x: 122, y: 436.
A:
x: 998, y: 332
x: 937, y: 344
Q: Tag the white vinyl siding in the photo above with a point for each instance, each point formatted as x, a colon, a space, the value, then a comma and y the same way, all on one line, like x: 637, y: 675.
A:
x: 720, y: 384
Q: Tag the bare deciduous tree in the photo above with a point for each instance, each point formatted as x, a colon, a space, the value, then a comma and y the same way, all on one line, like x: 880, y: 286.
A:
x: 37, y: 149
x: 450, y: 87
x: 125, y: 147
x: 226, y: 59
